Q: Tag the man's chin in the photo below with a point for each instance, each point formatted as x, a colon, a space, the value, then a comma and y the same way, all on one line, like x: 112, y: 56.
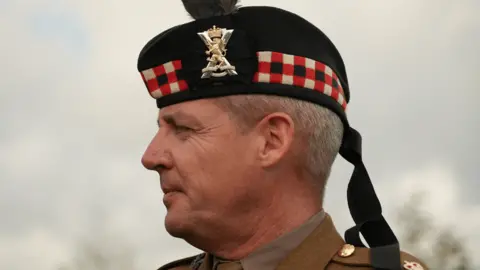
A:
x: 176, y: 225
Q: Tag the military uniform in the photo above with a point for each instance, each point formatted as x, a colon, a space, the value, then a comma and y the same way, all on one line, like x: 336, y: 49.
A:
x: 228, y: 50
x: 323, y: 248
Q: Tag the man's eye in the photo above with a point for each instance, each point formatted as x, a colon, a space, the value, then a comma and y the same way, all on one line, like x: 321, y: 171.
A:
x: 182, y: 128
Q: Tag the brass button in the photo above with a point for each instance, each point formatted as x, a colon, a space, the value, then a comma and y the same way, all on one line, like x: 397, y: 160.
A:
x: 346, y: 251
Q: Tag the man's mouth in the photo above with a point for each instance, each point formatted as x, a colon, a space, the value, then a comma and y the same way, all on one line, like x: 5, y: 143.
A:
x: 169, y: 196
x: 167, y: 190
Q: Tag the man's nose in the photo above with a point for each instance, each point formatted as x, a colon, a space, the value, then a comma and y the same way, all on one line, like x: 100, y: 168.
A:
x: 156, y: 155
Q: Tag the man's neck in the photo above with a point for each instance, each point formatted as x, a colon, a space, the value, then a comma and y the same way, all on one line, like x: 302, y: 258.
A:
x: 283, y: 214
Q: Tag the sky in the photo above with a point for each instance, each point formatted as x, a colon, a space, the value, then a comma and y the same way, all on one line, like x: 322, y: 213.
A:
x: 75, y: 119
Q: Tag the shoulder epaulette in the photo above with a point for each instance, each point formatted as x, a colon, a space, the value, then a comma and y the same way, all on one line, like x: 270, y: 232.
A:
x: 354, y: 257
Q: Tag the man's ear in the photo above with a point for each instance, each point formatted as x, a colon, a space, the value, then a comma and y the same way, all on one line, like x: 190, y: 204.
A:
x: 276, y: 131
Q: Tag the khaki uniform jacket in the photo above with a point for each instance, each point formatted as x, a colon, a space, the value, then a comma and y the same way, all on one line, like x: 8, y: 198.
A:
x: 322, y: 249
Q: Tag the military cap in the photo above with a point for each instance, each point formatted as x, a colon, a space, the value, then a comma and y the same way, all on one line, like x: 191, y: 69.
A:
x: 231, y: 50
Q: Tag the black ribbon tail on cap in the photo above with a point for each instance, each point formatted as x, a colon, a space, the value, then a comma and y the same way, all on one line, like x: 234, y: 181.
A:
x: 366, y: 210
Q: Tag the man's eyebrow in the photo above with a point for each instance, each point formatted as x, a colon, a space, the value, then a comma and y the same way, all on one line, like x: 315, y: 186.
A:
x: 175, y: 117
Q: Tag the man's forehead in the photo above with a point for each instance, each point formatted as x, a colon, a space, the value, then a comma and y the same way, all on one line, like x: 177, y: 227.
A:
x: 191, y: 109
x: 183, y: 107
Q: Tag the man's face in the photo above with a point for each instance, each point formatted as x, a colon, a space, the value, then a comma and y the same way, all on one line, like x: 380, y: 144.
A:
x: 206, y: 166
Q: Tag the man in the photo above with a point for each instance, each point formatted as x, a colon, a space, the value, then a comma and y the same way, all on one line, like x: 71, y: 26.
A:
x: 252, y: 115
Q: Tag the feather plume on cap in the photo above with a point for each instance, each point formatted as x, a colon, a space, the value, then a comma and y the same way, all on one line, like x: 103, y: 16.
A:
x: 201, y: 9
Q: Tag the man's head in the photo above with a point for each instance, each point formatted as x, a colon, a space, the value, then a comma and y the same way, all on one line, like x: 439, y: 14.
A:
x: 249, y: 153
x: 224, y: 159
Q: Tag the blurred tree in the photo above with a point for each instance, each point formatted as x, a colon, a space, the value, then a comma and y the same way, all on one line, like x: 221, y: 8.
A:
x: 440, y: 248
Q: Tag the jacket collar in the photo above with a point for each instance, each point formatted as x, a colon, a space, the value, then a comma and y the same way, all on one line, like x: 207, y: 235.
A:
x: 315, y: 252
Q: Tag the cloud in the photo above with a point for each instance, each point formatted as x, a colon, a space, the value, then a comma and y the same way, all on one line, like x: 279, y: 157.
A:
x: 76, y: 117
x: 442, y: 201
x: 44, y: 249
x: 443, y: 195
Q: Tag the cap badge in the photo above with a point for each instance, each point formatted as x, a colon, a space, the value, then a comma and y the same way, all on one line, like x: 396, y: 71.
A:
x: 216, y: 40
x: 412, y: 266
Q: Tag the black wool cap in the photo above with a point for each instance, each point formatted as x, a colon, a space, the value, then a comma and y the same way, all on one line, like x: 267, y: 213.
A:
x: 272, y: 51
x: 265, y: 50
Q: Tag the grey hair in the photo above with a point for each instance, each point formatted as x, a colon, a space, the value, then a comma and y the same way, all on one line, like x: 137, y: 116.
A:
x: 318, y: 130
